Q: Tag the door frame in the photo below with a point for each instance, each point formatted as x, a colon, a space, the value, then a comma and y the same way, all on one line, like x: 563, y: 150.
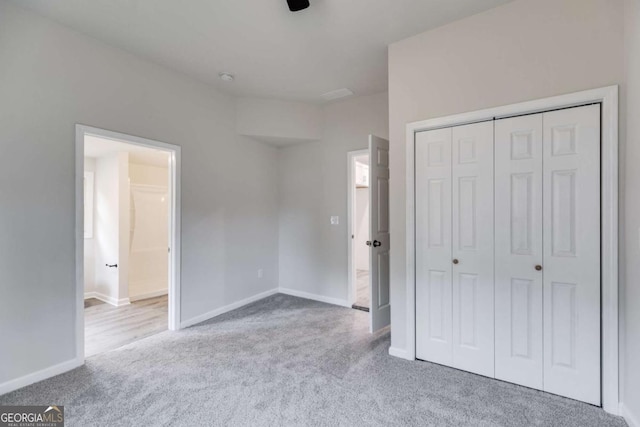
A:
x: 174, y: 224
x: 351, y: 199
x: 608, y: 98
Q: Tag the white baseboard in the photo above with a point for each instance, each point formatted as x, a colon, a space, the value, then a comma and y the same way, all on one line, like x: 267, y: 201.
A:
x: 148, y: 295
x: 43, y: 374
x: 632, y: 419
x: 306, y: 295
x: 107, y: 299
x: 226, y: 308
x: 399, y: 352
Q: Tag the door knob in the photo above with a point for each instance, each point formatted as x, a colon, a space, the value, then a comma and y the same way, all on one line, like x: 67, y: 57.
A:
x: 455, y: 261
x: 368, y: 242
x: 112, y: 265
x: 376, y: 243
x: 538, y: 267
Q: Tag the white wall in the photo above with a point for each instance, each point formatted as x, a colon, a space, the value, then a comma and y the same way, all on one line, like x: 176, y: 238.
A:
x: 630, y: 297
x: 313, y: 187
x: 146, y: 174
x: 89, y: 247
x: 278, y: 122
x: 111, y: 225
x: 52, y: 78
x: 362, y: 229
x: 527, y: 49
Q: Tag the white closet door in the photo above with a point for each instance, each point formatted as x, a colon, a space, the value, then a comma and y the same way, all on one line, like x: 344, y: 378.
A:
x: 433, y: 246
x: 472, y: 241
x: 571, y: 272
x: 518, y: 225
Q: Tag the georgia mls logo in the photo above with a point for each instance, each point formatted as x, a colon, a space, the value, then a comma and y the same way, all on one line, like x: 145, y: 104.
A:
x: 32, y: 416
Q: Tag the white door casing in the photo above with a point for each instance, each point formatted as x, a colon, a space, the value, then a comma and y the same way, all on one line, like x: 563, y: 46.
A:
x: 472, y: 248
x: 434, y: 314
x: 518, y: 250
x: 571, y: 274
x: 379, y: 278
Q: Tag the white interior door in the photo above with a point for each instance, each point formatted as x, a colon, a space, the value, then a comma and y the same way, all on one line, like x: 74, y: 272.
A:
x: 472, y: 248
x: 433, y: 246
x: 571, y: 269
x: 380, y: 311
x: 518, y: 250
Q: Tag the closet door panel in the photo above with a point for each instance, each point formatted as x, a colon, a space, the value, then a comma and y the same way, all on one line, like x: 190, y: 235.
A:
x: 433, y: 246
x: 518, y: 240
x: 572, y: 253
x: 472, y: 241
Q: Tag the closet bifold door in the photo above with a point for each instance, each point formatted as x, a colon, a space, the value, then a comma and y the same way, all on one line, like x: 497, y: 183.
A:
x: 571, y: 274
x: 518, y: 253
x: 472, y: 244
x: 433, y: 246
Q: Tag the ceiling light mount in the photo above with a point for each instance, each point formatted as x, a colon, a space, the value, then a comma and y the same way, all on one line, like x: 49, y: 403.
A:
x: 296, y: 5
x: 227, y: 77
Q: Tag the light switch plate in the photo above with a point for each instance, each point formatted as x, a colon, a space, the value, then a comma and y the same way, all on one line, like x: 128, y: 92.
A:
x: 335, y: 220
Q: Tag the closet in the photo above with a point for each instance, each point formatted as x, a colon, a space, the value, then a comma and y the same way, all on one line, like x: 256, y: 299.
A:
x: 508, y: 249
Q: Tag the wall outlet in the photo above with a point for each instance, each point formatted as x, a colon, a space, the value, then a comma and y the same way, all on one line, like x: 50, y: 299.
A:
x: 260, y: 273
x: 335, y: 220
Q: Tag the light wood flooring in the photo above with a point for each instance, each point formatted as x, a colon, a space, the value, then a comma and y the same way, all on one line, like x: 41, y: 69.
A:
x: 362, y: 289
x: 107, y: 327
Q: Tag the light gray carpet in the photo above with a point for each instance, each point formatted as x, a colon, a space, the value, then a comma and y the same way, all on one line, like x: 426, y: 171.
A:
x: 289, y: 362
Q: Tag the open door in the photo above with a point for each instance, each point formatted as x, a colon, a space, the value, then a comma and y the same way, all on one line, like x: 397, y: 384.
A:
x: 379, y: 311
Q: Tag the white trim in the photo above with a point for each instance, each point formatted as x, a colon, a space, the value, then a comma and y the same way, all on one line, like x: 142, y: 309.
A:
x: 632, y: 419
x: 217, y: 312
x: 351, y: 188
x: 38, y: 376
x: 400, y: 352
x: 314, y: 297
x: 608, y: 97
x: 148, y: 295
x: 106, y: 298
x: 175, y: 233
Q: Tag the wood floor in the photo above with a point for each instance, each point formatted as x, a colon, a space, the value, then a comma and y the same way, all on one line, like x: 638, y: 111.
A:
x: 107, y: 327
x: 362, y: 288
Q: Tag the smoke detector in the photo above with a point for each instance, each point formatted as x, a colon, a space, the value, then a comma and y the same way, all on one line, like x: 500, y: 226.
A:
x: 227, y: 77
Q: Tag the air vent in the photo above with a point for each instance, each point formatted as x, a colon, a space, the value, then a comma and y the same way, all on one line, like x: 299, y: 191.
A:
x: 336, y: 94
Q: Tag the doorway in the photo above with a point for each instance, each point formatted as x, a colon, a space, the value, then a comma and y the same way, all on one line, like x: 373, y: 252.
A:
x: 127, y: 239
x: 359, y: 224
x: 368, y: 231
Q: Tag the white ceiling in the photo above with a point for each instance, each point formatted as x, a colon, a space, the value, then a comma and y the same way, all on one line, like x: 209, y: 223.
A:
x: 272, y: 52
x: 99, y: 147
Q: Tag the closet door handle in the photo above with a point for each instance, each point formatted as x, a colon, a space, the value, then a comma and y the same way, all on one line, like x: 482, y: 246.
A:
x: 455, y: 261
x: 376, y: 243
x: 112, y: 265
x: 538, y: 267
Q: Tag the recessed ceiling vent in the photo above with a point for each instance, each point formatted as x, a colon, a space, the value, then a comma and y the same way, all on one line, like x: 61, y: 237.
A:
x: 296, y: 5
x: 336, y: 94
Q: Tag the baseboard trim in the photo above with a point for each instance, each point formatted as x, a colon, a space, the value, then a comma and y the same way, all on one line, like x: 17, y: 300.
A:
x: 226, y: 308
x: 399, y: 352
x: 631, y: 419
x: 38, y: 376
x: 148, y: 295
x: 106, y: 298
x: 306, y: 295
